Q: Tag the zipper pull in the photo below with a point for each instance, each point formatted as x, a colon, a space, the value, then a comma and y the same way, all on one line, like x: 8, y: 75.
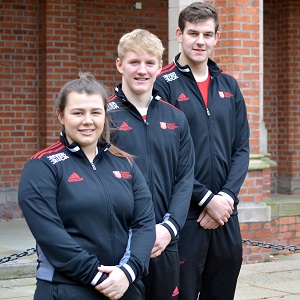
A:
x: 207, y: 111
x: 93, y: 166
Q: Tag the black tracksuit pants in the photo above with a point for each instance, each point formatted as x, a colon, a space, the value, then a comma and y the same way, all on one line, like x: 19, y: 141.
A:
x: 210, y: 260
x: 163, y: 279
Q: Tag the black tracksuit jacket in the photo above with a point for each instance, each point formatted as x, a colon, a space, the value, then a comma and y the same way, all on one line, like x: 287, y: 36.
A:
x: 220, y: 132
x: 163, y: 150
x: 84, y: 214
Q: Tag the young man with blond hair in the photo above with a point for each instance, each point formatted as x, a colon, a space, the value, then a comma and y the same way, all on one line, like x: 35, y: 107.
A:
x: 158, y: 135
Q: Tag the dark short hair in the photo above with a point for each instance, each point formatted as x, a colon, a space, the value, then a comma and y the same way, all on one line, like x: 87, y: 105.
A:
x: 198, y: 12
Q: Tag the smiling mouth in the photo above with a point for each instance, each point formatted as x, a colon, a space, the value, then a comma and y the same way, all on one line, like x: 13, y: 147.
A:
x: 86, y: 130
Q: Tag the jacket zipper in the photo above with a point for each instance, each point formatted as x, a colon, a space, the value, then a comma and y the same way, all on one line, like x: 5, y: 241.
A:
x: 109, y: 207
x: 209, y: 132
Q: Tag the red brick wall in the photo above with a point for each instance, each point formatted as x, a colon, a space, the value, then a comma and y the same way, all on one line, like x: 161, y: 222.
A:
x: 288, y: 93
x: 256, y: 186
x: 44, y: 44
x: 270, y: 83
x: 238, y: 54
x: 284, y: 231
x: 102, y: 23
x: 256, y: 232
x: 18, y: 88
x: 281, y: 91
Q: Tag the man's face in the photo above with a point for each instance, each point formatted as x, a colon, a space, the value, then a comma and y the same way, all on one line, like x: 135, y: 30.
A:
x: 139, y: 71
x: 197, y: 41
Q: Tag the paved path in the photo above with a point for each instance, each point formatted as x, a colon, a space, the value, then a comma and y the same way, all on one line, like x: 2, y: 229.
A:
x: 276, y: 280
x: 279, y: 279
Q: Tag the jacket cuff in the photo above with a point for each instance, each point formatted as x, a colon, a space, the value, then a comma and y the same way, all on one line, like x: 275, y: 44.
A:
x: 205, y: 200
x: 225, y: 194
x: 128, y: 272
x: 169, y: 223
x: 100, y: 276
x: 96, y: 278
x: 171, y: 228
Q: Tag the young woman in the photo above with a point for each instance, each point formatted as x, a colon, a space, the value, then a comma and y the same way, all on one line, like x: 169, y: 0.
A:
x: 87, y: 205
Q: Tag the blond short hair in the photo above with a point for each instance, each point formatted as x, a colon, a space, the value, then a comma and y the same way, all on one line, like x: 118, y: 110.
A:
x: 140, y: 40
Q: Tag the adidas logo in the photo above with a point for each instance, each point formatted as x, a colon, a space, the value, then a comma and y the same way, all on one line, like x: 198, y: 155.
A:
x: 74, y: 178
x: 175, y: 292
x: 183, y: 97
x: 124, y: 126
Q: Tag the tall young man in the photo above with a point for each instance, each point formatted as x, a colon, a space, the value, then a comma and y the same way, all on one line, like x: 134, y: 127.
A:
x: 158, y: 135
x: 210, y: 243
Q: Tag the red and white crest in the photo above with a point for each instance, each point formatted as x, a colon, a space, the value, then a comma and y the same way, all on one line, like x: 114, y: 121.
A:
x: 117, y: 174
x: 163, y: 125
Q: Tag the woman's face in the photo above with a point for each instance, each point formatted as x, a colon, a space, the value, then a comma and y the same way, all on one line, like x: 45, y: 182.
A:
x: 83, y: 119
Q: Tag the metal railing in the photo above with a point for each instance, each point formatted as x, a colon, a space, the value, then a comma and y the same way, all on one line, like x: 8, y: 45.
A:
x: 249, y: 242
